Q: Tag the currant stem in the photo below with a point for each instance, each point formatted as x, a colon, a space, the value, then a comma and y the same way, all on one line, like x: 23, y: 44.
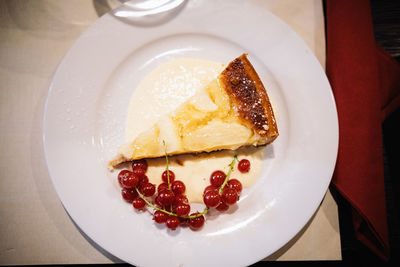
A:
x: 166, y: 159
x: 231, y: 165
x: 168, y: 212
x: 197, y: 215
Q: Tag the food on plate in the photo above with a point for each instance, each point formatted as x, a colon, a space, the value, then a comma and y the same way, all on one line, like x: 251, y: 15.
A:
x: 231, y: 112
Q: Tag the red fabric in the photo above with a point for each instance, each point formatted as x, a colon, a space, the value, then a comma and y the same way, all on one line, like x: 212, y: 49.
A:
x: 366, y: 83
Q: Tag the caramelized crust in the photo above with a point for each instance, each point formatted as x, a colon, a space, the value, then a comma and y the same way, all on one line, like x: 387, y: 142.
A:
x: 249, y: 97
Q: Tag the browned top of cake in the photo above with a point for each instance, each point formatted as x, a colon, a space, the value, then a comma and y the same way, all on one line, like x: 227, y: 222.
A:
x: 245, y: 89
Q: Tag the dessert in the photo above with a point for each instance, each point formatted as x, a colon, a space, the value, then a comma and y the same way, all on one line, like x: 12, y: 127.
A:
x: 229, y: 115
x: 232, y: 111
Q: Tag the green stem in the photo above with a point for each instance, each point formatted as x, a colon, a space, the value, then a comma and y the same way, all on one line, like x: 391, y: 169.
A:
x: 167, y: 163
x: 231, y: 165
x: 197, y: 215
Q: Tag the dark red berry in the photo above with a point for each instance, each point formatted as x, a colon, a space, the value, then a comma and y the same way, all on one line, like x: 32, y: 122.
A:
x: 140, y: 164
x: 197, y: 222
x: 211, y: 199
x: 210, y: 188
x: 180, y: 199
x: 166, y: 197
x: 172, y: 222
x: 182, y: 209
x: 157, y: 201
x: 229, y: 196
x: 123, y: 174
x: 160, y: 217
x: 164, y: 176
x: 244, y: 165
x: 235, y: 184
x: 178, y: 187
x: 129, y: 194
x: 222, y: 207
x: 139, y: 172
x: 184, y: 221
x: 147, y: 189
x: 161, y: 187
x: 138, y: 203
x: 143, y: 179
x: 217, y: 178
x: 130, y: 180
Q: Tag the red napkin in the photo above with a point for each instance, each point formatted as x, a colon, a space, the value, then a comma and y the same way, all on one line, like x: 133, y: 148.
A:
x: 366, y: 83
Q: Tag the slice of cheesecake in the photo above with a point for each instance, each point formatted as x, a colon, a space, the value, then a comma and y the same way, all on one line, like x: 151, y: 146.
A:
x: 232, y: 111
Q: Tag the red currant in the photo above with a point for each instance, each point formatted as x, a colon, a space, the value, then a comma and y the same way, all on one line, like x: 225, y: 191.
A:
x: 197, y: 222
x: 138, y: 203
x: 130, y: 180
x: 143, y: 179
x: 166, y: 197
x: 178, y: 187
x: 235, y: 184
x: 172, y: 222
x: 157, y: 201
x: 138, y: 171
x: 147, y: 189
x: 161, y: 187
x: 164, y: 176
x: 184, y: 221
x: 140, y: 164
x: 160, y: 217
x: 210, y: 188
x: 129, y: 194
x: 123, y: 174
x: 211, y: 199
x: 229, y: 196
x: 180, y: 199
x: 182, y: 209
x: 217, y: 178
x: 244, y: 165
x: 222, y: 207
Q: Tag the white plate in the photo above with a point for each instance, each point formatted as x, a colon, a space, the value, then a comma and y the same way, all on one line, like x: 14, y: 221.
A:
x: 85, y: 117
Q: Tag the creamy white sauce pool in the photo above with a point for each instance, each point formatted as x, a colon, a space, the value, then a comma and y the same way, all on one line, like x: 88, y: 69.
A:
x: 162, y: 91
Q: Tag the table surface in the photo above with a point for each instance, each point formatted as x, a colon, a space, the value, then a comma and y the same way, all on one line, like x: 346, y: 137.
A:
x: 34, y: 37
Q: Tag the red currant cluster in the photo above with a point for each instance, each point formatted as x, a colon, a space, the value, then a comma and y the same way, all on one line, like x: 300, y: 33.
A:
x: 169, y: 200
x: 223, y: 192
